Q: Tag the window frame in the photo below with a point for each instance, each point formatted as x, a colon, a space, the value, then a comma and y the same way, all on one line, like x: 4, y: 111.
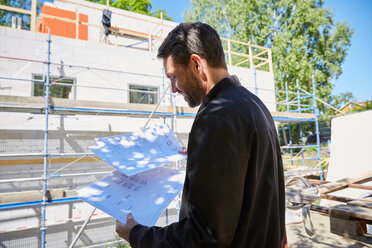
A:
x: 148, y: 92
x: 52, y: 79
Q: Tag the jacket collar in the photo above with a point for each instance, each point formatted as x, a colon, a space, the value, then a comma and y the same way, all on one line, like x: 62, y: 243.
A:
x: 220, y: 86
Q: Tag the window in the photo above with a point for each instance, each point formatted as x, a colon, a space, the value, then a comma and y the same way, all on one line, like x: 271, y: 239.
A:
x: 143, y: 94
x: 60, y: 87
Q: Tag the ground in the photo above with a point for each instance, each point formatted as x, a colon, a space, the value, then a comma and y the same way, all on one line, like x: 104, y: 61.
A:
x: 323, y: 238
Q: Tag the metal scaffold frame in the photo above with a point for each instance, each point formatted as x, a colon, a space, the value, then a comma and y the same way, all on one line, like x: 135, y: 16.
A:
x: 294, y: 105
x: 46, y: 110
x: 46, y: 131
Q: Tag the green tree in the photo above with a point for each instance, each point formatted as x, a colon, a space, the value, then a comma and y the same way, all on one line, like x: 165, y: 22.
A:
x: 301, y: 33
x: 161, y: 12
x: 138, y: 6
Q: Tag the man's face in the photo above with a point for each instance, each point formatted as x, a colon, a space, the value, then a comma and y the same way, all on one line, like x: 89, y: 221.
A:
x: 185, y: 80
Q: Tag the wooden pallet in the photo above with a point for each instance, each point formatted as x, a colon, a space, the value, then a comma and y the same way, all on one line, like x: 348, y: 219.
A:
x: 350, y: 220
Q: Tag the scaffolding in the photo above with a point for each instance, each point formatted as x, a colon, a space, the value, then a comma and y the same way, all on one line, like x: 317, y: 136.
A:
x: 296, y: 104
x: 50, y: 106
x: 46, y: 107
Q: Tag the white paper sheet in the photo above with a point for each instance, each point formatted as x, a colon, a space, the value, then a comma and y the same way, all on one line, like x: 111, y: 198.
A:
x: 141, y: 151
x: 145, y: 195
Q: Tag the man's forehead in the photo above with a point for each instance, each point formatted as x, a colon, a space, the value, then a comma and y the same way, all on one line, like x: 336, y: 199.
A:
x: 167, y: 62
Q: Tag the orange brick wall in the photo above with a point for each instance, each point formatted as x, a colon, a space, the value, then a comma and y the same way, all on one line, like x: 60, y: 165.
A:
x: 63, y: 28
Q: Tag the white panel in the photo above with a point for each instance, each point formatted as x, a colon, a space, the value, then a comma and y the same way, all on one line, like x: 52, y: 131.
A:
x: 351, y: 150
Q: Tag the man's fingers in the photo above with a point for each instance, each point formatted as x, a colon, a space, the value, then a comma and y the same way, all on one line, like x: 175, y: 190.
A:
x: 183, y: 151
x: 130, y: 217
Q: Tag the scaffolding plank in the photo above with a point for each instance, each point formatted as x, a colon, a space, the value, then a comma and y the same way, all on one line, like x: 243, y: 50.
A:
x: 292, y: 117
x: 68, y: 105
x: 36, y: 195
x: 8, y: 103
x: 38, y: 102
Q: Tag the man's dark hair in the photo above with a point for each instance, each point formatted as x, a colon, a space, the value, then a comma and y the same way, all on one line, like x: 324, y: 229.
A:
x: 193, y: 38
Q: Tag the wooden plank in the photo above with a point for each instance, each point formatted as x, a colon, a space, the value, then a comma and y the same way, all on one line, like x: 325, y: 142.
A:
x: 241, y: 62
x: 366, y: 199
x: 360, y: 204
x: 241, y: 54
x: 348, y: 228
x: 38, y: 101
x: 33, y: 16
x: 35, y: 100
x: 350, y: 212
x: 359, y: 186
x: 341, y: 184
x: 269, y: 57
x: 17, y: 10
x: 35, y: 195
x: 293, y: 115
x: 262, y: 64
x: 51, y: 160
x: 68, y: 103
x: 258, y: 54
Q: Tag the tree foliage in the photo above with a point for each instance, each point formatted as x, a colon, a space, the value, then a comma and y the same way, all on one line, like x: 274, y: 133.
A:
x: 138, y: 6
x: 6, y: 16
x: 302, y: 34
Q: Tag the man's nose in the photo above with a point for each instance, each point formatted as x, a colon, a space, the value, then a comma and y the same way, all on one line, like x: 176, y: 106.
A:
x: 174, y: 88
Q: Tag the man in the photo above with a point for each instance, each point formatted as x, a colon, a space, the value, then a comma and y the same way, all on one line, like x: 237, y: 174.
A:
x: 233, y: 194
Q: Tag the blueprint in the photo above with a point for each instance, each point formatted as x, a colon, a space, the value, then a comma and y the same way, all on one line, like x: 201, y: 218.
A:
x: 140, y: 151
x: 145, y: 195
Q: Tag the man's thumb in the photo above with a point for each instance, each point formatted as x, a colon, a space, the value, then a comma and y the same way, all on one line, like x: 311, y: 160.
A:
x: 129, y: 216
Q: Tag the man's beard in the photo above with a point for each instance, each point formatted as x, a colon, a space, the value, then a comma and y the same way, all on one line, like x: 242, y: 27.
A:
x: 195, y: 93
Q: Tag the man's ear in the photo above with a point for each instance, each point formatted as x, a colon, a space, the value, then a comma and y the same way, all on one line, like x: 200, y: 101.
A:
x: 196, y: 62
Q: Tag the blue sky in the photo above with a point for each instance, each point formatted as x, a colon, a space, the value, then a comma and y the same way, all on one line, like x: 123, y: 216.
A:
x: 357, y: 65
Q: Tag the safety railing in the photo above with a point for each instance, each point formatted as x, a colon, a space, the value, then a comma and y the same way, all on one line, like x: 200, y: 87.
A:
x: 238, y: 53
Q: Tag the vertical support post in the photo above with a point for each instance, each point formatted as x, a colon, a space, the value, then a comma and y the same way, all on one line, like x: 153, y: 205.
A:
x: 77, y: 23
x: 174, y: 103
x: 317, y: 129
x: 163, y: 81
x: 289, y: 123
x: 229, y: 51
x: 150, y: 41
x: 162, y: 26
x: 250, y: 55
x: 270, y: 58
x: 44, y: 177
x: 299, y: 110
x: 33, y: 15
x: 255, y: 80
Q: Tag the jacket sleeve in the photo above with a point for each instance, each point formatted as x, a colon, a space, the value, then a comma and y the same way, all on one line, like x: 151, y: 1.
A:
x: 216, y: 169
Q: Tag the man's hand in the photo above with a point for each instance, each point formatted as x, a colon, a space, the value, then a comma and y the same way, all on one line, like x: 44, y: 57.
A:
x: 123, y: 230
x: 183, y: 151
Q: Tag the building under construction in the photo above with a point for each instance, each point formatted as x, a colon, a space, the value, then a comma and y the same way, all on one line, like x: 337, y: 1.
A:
x: 99, y: 64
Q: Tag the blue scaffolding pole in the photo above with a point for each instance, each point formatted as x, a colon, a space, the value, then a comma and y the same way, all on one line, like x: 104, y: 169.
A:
x: 298, y: 108
x: 44, y: 177
x: 289, y: 123
x: 317, y: 129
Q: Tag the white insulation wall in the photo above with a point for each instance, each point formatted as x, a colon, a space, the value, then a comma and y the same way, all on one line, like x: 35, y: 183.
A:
x: 351, y: 150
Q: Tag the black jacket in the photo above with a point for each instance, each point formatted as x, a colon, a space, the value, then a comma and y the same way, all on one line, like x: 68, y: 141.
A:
x: 234, y: 188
